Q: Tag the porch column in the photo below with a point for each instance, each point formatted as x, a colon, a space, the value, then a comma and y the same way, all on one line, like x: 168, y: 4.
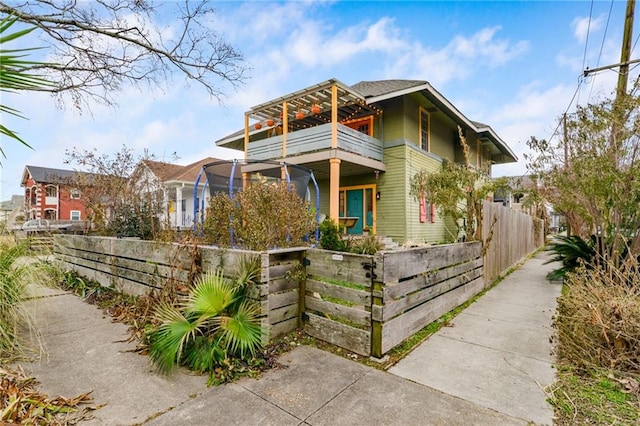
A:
x: 246, y: 136
x: 334, y: 189
x: 178, y: 215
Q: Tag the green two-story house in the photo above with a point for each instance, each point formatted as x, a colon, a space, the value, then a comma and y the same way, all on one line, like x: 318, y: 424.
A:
x: 364, y: 143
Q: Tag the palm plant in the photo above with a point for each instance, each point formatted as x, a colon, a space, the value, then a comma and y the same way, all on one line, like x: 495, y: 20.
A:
x: 14, y: 72
x: 571, y: 251
x: 214, y: 323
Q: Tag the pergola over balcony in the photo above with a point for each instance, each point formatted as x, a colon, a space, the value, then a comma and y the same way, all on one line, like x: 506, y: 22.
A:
x: 323, y: 107
x: 329, y: 102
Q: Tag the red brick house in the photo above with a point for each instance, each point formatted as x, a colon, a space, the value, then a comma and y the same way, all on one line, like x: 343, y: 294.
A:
x: 49, y: 194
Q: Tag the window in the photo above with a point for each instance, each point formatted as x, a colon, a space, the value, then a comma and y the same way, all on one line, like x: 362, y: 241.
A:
x: 424, y: 130
x: 363, y: 125
x: 52, y: 191
x: 75, y: 214
x: 75, y: 194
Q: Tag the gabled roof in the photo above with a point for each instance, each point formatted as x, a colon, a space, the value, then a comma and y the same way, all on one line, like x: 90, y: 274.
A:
x: 376, y: 91
x: 50, y: 175
x: 383, y: 87
x: 160, y: 169
x: 365, y: 94
x: 167, y: 172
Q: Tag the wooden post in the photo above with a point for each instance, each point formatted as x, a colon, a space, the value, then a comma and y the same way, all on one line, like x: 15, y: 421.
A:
x: 285, y: 128
x: 302, y: 290
x: 246, y: 136
x: 334, y: 116
x: 334, y: 189
x: 377, y: 299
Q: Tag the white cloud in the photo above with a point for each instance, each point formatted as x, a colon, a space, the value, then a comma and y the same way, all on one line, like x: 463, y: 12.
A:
x: 585, y: 26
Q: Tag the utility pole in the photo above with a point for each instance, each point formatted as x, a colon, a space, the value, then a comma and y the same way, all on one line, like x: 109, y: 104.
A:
x: 625, y: 54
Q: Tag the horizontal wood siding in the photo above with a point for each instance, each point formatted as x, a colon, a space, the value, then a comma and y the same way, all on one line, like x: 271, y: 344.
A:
x: 423, y: 232
x: 417, y: 286
x: 338, y: 299
x: 392, y: 185
x: 510, y: 236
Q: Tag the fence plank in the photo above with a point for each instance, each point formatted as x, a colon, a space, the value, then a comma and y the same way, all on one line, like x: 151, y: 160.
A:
x: 401, y: 289
x: 283, y: 299
x: 393, y: 308
x: 339, y: 266
x: 353, y: 339
x: 407, y: 263
x: 357, y: 316
x: 360, y: 297
x: 402, y: 327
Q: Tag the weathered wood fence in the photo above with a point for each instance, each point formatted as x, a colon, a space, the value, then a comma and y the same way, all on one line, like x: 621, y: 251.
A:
x: 366, y: 304
x: 137, y: 267
x: 337, y: 302
x: 415, y: 287
x: 511, y: 236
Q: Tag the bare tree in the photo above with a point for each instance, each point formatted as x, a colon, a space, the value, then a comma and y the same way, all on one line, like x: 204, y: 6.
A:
x: 98, y: 47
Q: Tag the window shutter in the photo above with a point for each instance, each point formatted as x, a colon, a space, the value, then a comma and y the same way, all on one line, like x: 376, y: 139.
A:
x: 423, y: 209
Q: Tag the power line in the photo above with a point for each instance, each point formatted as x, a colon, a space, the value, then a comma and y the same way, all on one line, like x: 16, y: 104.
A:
x: 604, y: 36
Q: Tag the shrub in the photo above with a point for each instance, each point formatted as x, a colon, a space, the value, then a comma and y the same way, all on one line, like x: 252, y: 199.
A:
x: 369, y: 244
x: 331, y: 236
x: 262, y: 216
x: 598, y: 317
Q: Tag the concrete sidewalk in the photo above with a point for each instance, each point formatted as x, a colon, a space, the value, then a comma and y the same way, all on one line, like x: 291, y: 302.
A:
x: 497, y: 353
x: 481, y: 371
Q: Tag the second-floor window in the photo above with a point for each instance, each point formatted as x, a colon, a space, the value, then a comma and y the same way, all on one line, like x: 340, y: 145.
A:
x: 75, y: 194
x: 424, y: 130
x: 52, y: 191
x: 363, y: 125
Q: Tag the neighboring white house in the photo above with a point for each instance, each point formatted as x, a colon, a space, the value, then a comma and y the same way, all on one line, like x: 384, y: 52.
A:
x: 174, y: 185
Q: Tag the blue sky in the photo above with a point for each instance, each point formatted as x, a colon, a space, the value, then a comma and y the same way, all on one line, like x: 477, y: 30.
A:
x: 513, y: 65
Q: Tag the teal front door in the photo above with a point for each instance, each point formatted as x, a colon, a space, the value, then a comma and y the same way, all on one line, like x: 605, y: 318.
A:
x: 355, y: 209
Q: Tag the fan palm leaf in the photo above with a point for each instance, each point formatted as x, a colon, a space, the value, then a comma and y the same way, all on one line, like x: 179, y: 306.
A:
x: 15, y: 72
x: 211, y: 295
x: 241, y: 331
x: 168, y: 341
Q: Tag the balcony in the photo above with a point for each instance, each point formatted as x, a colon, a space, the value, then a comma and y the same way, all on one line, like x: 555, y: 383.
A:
x: 317, y: 139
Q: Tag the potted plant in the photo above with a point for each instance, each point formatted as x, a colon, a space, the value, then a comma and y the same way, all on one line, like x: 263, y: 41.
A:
x: 315, y: 109
x: 257, y: 126
x: 270, y: 122
x: 299, y: 115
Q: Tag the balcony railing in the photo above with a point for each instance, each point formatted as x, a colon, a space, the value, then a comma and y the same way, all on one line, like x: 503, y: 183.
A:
x: 316, y: 139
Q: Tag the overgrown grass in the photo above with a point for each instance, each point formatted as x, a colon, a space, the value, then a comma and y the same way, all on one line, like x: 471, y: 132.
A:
x: 597, y: 398
x: 598, y: 324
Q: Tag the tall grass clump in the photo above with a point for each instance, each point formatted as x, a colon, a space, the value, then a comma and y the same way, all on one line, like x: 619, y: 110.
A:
x: 598, y: 318
x: 14, y: 277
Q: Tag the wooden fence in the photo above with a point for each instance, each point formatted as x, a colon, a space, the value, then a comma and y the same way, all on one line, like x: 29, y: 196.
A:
x: 371, y: 304
x: 137, y: 267
x: 366, y: 304
x: 510, y: 235
x: 414, y: 287
x: 337, y: 302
